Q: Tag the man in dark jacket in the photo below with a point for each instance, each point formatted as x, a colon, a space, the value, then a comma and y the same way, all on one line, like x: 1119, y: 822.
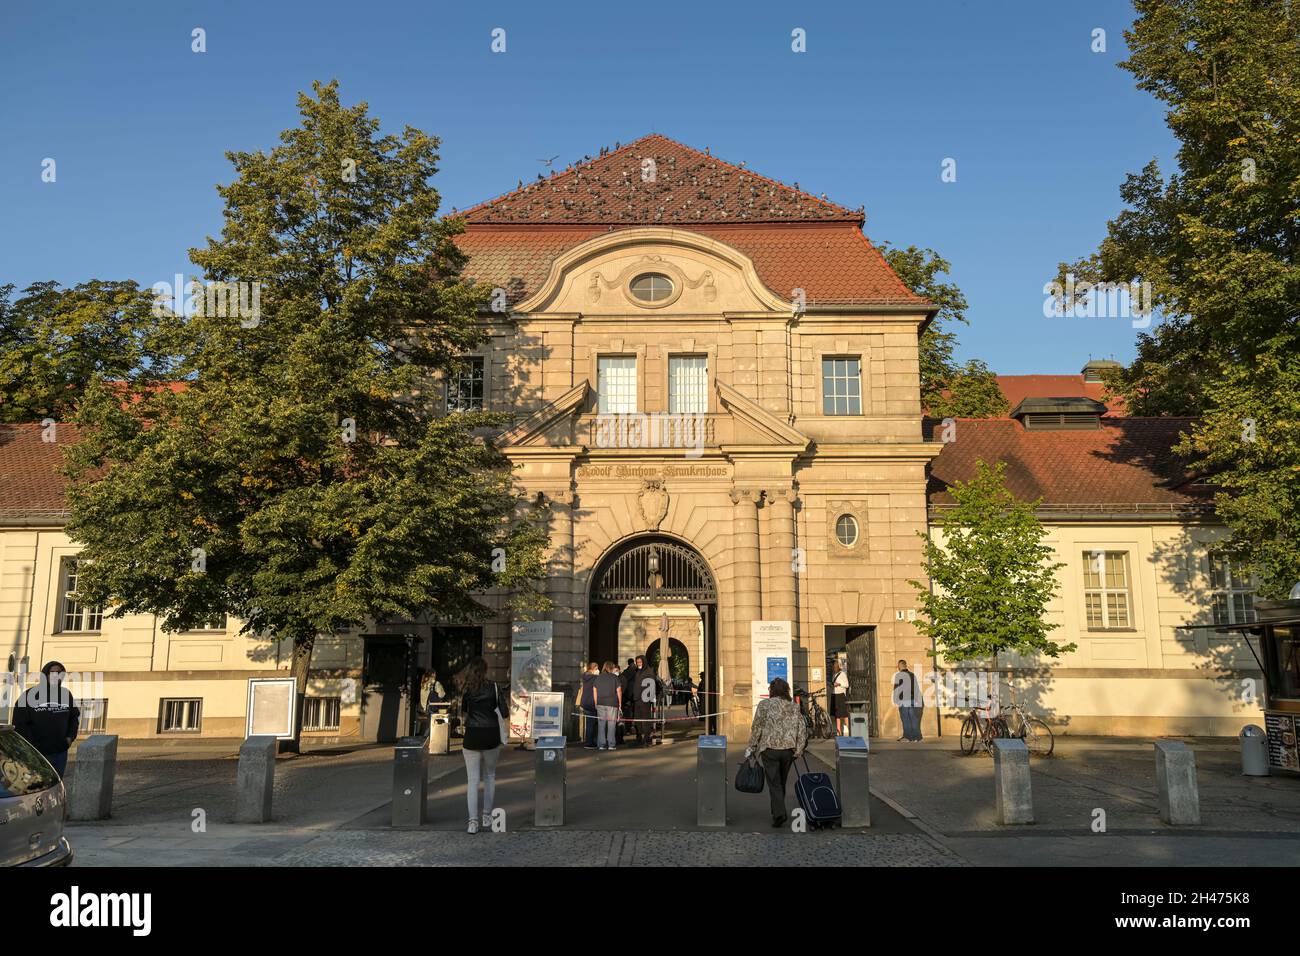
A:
x: 645, y: 691
x: 625, y: 682
x: 48, y: 717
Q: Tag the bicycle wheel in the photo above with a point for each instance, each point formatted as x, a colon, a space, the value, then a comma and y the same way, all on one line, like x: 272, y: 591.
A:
x: 1039, y: 737
x: 970, y: 733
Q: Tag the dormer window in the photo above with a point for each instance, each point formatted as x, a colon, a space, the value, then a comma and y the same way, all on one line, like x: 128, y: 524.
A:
x: 1096, y: 369
x: 1059, y: 414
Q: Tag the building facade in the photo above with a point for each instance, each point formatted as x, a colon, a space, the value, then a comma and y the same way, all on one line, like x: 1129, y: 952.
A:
x: 712, y: 381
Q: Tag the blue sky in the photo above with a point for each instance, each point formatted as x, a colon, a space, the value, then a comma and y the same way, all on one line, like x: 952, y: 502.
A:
x: 1043, y: 129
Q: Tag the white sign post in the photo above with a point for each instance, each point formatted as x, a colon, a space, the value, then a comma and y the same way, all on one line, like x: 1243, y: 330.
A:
x: 771, y: 648
x: 530, y: 671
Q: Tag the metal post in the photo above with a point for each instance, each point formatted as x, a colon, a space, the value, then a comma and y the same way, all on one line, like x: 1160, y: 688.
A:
x: 550, y: 793
x: 852, y: 779
x: 410, y: 782
x: 711, y: 782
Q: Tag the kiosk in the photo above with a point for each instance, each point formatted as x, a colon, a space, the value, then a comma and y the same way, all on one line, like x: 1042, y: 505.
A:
x: 1277, y: 625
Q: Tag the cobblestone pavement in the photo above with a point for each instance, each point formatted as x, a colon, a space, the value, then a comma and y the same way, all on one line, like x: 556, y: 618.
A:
x: 245, y: 846
x: 930, y: 807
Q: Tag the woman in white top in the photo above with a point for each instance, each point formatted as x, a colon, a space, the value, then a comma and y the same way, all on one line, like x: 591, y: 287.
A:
x: 840, y: 699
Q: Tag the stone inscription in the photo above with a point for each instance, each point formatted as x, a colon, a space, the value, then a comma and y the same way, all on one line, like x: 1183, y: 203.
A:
x: 653, y: 471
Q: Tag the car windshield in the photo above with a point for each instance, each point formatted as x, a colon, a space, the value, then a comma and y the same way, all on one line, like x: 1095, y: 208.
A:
x: 22, y: 769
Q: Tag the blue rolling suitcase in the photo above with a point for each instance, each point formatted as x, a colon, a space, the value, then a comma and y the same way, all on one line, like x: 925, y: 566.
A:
x: 817, y: 797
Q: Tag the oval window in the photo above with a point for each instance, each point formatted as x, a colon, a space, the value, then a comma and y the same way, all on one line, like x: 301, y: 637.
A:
x: 652, y: 287
x: 846, y: 530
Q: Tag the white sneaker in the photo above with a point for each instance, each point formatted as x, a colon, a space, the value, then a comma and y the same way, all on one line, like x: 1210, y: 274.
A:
x: 487, y: 821
x: 473, y: 826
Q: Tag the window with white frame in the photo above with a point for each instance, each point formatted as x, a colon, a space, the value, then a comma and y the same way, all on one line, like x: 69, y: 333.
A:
x: 76, y: 616
x: 1106, y: 590
x: 616, y: 384
x: 688, y: 384
x: 465, y: 387
x: 321, y: 713
x: 841, y: 386
x: 1233, y: 592
x: 94, y: 715
x: 181, y: 715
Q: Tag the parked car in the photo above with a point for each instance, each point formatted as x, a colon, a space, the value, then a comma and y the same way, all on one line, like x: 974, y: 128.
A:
x: 33, y: 806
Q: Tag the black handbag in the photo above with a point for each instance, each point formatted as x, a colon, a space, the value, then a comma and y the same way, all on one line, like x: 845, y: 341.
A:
x: 749, y: 776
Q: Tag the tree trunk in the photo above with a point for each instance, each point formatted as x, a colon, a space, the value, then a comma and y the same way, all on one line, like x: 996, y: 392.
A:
x: 302, y: 648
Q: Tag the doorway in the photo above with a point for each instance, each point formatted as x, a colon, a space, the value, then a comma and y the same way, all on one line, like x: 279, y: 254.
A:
x: 637, y: 587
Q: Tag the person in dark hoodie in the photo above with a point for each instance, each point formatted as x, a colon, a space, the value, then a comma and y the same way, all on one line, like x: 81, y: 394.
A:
x: 48, y: 716
x: 645, y: 691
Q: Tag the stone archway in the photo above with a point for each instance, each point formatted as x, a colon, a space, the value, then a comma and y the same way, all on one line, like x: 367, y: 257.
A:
x: 648, y: 572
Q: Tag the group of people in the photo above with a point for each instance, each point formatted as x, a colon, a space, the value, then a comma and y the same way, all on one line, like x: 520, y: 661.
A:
x: 778, y: 735
x: 633, y: 696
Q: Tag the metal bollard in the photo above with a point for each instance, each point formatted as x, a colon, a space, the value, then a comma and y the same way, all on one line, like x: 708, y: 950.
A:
x: 410, y: 782
x: 548, y: 809
x: 1180, y: 802
x: 1015, y: 796
x: 255, y: 779
x: 711, y: 782
x: 852, y: 779
x: 92, y: 787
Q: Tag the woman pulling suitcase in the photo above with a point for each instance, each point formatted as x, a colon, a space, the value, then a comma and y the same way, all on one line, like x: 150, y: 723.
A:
x: 778, y: 738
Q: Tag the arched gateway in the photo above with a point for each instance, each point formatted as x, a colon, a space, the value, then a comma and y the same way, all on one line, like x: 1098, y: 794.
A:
x: 652, y: 579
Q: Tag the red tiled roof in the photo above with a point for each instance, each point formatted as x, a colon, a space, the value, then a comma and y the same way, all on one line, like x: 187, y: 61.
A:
x: 687, y: 187
x: 1017, y: 387
x: 1126, y: 464
x: 30, y: 483
x: 833, y: 264
x: 795, y: 240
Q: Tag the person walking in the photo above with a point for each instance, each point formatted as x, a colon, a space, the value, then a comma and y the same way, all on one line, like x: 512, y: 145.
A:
x: 484, y: 705
x: 609, y: 703
x: 48, y: 717
x: 645, y: 691
x: 587, y: 701
x: 778, y: 738
x: 840, y: 698
x: 908, y: 699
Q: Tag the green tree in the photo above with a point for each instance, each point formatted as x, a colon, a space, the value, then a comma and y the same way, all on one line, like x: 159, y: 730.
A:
x: 973, y: 392
x: 305, y: 481
x: 922, y: 270
x: 54, y: 341
x: 992, y: 576
x: 1217, y: 241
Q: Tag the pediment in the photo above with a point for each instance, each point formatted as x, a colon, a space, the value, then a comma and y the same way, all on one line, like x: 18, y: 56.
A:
x: 554, y: 424
x: 755, y: 425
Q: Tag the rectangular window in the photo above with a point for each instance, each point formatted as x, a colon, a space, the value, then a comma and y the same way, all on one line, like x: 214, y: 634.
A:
x: 321, y: 713
x: 182, y: 715
x: 1233, y: 592
x: 77, y: 616
x: 616, y: 384
x: 94, y: 715
x: 688, y: 384
x: 841, y: 386
x: 465, y: 388
x: 1106, y: 590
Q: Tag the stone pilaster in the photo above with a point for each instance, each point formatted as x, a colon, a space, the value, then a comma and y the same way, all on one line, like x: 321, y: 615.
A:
x: 747, y: 607
x: 780, y: 597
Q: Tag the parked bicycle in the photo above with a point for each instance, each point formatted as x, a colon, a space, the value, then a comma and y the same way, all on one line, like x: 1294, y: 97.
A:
x: 981, y: 729
x: 1038, y: 737
x: 814, y: 715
